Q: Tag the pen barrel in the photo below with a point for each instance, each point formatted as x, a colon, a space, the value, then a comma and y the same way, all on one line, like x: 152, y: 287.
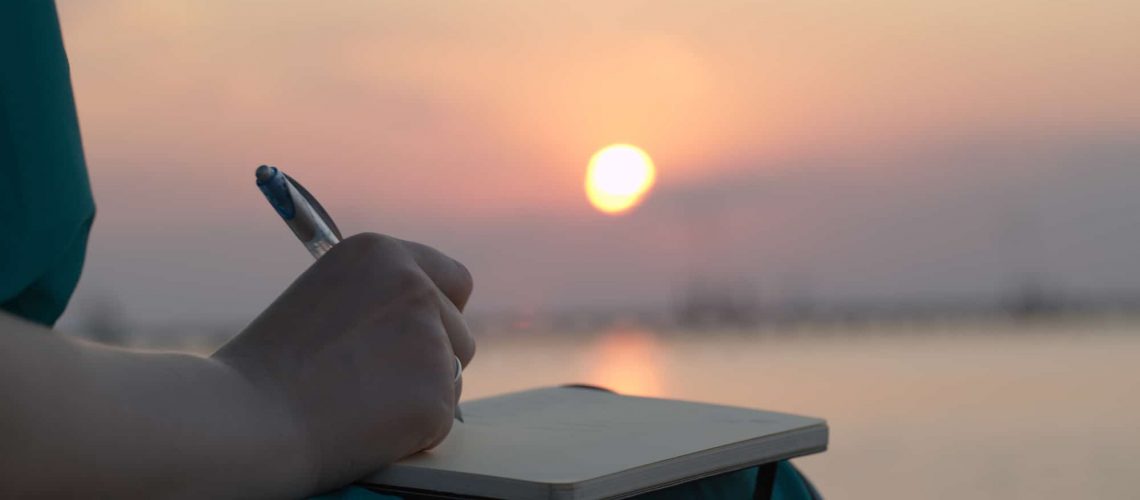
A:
x: 318, y: 247
x: 309, y: 226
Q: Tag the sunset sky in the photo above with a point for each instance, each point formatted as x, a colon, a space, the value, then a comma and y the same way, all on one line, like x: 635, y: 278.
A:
x: 874, y: 149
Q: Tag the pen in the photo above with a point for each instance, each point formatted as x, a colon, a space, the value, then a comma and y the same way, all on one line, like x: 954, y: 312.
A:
x: 309, y: 222
x: 300, y: 210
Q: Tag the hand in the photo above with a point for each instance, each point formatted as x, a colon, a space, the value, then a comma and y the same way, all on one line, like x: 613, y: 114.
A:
x: 360, y: 350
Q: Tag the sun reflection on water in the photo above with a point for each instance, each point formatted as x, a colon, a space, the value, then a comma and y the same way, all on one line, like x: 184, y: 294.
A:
x: 627, y: 361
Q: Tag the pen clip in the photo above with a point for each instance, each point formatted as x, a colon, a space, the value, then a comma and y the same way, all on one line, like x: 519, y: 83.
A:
x: 316, y: 206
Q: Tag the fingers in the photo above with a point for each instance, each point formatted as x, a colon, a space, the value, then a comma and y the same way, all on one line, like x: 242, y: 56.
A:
x: 455, y: 283
x: 462, y: 343
x: 458, y: 394
x: 451, y: 277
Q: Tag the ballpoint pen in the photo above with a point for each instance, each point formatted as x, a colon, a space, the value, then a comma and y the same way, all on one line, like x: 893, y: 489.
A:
x: 300, y: 210
x: 309, y: 221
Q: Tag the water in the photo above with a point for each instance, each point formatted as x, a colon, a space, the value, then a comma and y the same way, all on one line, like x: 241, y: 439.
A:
x: 981, y: 410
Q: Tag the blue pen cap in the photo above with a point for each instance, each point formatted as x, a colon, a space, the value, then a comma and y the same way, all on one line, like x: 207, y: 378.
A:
x: 275, y: 188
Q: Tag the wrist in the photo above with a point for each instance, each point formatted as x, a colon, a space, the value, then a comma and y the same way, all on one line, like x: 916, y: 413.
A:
x: 290, y: 456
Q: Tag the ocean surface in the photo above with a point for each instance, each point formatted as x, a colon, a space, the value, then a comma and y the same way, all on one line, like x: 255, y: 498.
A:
x: 985, y: 409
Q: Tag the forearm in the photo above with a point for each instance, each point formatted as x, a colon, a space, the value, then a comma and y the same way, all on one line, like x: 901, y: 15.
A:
x: 81, y: 417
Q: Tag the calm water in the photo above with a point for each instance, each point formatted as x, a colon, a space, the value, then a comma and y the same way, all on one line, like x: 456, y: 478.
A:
x: 986, y: 410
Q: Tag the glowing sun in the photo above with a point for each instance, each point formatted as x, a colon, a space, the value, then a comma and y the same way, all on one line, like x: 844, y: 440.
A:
x: 618, y: 178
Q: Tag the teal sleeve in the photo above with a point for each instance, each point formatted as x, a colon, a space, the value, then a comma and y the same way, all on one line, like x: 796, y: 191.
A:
x: 46, y: 208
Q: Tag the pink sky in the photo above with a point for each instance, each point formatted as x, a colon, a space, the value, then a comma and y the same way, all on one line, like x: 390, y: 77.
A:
x: 469, y: 125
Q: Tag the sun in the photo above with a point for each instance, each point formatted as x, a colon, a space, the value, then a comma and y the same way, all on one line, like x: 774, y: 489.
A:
x: 618, y: 178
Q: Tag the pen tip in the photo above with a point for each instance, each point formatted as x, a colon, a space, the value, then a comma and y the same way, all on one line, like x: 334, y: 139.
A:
x: 264, y: 172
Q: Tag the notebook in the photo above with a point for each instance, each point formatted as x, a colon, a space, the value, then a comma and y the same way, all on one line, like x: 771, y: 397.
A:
x: 580, y: 443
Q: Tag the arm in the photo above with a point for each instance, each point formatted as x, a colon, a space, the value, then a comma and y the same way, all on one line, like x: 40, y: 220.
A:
x: 349, y: 369
x: 81, y: 417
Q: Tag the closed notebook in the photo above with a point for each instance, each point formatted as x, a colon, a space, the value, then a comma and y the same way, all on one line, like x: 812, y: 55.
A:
x: 575, y: 443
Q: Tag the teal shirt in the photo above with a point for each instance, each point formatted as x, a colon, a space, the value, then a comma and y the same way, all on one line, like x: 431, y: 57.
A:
x: 46, y: 207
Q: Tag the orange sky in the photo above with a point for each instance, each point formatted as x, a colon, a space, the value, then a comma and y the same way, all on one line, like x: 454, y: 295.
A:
x: 403, y: 113
x: 377, y: 96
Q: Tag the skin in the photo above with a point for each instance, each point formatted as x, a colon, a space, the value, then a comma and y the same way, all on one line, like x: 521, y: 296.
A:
x: 349, y: 369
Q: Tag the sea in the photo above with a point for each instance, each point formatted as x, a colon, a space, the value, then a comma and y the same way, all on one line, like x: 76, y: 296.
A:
x: 983, y: 409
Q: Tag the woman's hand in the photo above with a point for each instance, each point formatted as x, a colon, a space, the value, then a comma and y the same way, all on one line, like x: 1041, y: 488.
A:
x: 359, y: 350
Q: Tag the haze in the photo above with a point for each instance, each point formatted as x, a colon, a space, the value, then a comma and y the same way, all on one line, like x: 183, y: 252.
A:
x: 842, y: 150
